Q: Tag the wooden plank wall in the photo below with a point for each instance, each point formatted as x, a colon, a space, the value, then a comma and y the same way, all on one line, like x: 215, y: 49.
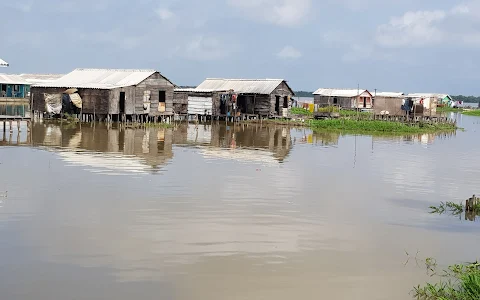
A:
x: 93, y: 100
x: 154, y: 84
x: 282, y: 90
x: 180, y: 102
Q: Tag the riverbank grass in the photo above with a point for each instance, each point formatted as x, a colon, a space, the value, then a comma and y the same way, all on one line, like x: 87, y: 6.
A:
x: 379, y: 126
x: 475, y: 113
x: 459, y: 282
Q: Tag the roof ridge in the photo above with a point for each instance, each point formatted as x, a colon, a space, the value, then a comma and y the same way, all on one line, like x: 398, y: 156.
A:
x: 116, y: 70
x: 246, y: 79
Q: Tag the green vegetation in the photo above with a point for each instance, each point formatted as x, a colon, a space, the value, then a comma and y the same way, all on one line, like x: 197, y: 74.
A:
x: 466, y: 99
x: 378, y: 126
x: 448, y: 109
x: 300, y: 111
x: 329, y: 109
x: 453, y: 208
x: 475, y: 113
x: 459, y: 282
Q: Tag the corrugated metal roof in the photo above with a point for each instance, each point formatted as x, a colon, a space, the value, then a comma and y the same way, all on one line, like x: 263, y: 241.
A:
x: 389, y: 94
x: 193, y: 90
x: 100, y: 78
x: 12, y: 79
x: 3, y: 63
x: 243, y: 86
x: 340, y: 92
x: 40, y: 78
x: 427, y: 95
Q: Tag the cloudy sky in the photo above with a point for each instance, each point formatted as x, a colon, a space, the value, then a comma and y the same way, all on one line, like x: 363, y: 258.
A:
x: 395, y: 45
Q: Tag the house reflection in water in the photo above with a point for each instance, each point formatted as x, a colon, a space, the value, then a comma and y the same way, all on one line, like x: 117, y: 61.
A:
x: 242, y: 142
x: 106, y: 148
x: 115, y: 149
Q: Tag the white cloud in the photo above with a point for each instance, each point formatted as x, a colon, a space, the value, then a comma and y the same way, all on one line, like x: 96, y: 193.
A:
x: 286, y: 13
x: 460, y: 9
x: 458, y: 25
x: 289, y: 52
x: 203, y: 48
x: 412, y: 29
x: 164, y: 14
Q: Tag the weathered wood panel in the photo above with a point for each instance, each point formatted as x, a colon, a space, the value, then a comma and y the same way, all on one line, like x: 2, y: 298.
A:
x: 154, y: 84
x: 180, y: 103
x: 343, y: 102
x: 283, y: 91
x: 93, y: 100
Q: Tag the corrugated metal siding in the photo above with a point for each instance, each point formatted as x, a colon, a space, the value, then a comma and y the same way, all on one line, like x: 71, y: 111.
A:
x: 244, y: 86
x: 12, y: 79
x: 340, y: 92
x: 198, y: 105
x: 101, y: 78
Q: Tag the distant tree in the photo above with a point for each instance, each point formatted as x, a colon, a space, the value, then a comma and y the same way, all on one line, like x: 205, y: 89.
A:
x: 466, y: 99
x: 303, y: 94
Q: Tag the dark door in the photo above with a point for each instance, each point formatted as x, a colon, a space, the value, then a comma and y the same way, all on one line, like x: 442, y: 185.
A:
x: 277, y: 104
x: 122, y: 103
x: 285, y: 102
x: 162, y: 97
x: 364, y: 102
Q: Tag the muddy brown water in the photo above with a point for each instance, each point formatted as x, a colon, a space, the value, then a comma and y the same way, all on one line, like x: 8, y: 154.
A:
x: 238, y: 212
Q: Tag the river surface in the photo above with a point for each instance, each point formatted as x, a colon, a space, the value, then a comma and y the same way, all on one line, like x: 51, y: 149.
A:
x: 229, y: 212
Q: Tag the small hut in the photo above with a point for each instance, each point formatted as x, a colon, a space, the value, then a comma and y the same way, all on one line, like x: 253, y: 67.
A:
x: 109, y: 93
x: 389, y: 103
x: 244, y: 97
x: 14, y: 101
x: 345, y: 98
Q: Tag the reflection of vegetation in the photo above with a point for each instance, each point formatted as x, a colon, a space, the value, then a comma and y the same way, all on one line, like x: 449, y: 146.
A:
x: 300, y: 111
x: 471, y: 209
x: 459, y: 282
x: 453, y: 208
x: 475, y: 113
x: 379, y: 126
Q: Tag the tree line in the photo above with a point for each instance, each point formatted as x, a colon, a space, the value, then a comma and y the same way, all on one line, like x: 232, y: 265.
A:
x: 466, y: 99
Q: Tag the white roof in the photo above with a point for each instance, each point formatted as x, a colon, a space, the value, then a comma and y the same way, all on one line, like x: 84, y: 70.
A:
x: 390, y: 94
x: 12, y: 79
x: 340, y: 92
x: 426, y: 95
x: 3, y: 63
x: 193, y: 90
x: 100, y: 78
x: 40, y: 78
x: 243, y: 86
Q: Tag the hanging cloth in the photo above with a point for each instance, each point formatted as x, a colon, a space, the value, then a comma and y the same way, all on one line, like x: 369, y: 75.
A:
x: 53, y: 103
x: 76, y: 100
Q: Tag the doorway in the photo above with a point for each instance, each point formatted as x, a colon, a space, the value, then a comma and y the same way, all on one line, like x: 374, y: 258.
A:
x: 122, y: 103
x: 277, y: 105
x: 364, y: 102
x: 162, y: 98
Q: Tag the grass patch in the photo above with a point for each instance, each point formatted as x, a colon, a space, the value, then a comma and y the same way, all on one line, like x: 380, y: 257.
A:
x: 448, y: 109
x: 300, y: 111
x: 459, y: 282
x: 378, y: 126
x: 475, y: 113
